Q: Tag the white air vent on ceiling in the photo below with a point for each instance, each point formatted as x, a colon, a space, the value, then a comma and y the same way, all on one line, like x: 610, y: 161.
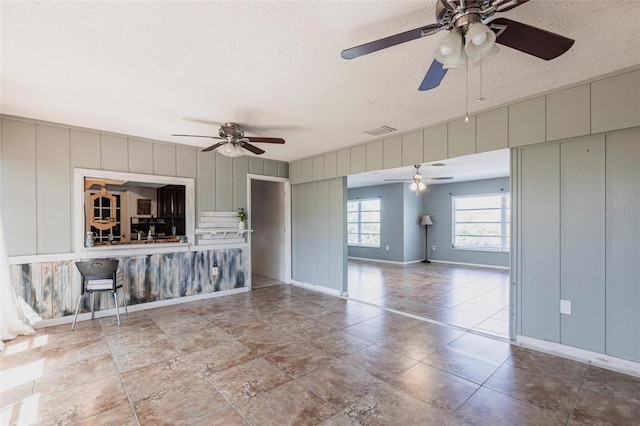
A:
x: 380, y: 131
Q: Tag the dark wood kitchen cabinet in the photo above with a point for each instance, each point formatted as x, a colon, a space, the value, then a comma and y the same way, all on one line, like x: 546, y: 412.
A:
x: 171, y: 206
x: 171, y: 201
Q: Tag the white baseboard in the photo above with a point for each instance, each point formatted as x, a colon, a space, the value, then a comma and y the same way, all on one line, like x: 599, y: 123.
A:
x: 318, y: 288
x: 608, y: 362
x: 505, y: 268
x: 393, y: 262
x: 139, y: 307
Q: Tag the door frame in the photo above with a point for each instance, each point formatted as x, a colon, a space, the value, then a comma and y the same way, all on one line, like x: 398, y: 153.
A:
x: 287, y: 218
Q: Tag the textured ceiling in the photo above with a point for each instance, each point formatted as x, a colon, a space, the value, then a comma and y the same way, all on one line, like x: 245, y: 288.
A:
x: 150, y: 69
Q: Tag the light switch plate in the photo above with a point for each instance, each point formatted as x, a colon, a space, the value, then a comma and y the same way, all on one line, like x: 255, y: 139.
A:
x: 214, y: 271
x: 565, y: 307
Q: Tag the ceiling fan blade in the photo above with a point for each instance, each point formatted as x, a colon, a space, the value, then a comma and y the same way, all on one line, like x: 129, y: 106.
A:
x: 437, y: 178
x: 200, y: 136
x: 534, y: 41
x: 214, y: 146
x: 260, y: 139
x: 505, y: 5
x: 434, y: 76
x: 252, y: 148
x: 383, y: 43
x: 398, y: 180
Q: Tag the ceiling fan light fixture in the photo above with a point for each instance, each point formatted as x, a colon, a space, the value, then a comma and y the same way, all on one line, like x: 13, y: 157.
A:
x: 479, y: 39
x: 460, y: 62
x: 413, y: 186
x: 230, y: 149
x: 450, y: 48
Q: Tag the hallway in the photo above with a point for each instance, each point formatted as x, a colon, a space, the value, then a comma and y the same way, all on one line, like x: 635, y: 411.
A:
x: 468, y: 297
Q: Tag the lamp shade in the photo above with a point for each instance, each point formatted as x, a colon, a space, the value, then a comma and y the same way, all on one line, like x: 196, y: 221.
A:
x: 229, y: 149
x: 448, y: 51
x: 479, y: 39
x: 426, y: 220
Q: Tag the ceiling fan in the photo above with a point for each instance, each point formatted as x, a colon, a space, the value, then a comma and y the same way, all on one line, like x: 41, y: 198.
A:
x: 473, y: 32
x: 417, y: 180
x: 234, y: 141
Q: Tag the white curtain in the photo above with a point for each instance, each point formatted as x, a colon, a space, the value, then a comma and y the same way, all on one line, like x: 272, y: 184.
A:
x: 12, y: 318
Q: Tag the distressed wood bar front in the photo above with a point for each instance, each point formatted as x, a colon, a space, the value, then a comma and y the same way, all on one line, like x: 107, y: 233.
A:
x: 51, y: 287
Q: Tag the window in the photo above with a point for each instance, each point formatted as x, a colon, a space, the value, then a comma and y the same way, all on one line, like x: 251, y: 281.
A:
x: 482, y: 222
x: 363, y: 222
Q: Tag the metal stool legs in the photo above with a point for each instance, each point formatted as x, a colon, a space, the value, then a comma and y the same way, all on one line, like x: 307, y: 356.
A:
x: 115, y: 299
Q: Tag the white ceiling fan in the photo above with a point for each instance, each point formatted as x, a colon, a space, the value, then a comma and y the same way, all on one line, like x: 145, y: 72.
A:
x: 417, y: 181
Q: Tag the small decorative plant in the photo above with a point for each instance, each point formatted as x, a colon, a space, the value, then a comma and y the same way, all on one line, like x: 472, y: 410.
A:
x: 242, y: 214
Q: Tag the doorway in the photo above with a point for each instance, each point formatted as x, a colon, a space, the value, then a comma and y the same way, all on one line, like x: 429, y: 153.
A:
x: 269, y: 210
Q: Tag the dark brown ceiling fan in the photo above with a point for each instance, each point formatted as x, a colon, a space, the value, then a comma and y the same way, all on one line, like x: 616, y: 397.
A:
x: 233, y: 141
x: 473, y: 32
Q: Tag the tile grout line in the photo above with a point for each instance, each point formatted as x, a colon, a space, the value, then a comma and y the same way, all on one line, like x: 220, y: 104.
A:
x: 575, y: 402
x: 227, y: 399
x: 126, y: 391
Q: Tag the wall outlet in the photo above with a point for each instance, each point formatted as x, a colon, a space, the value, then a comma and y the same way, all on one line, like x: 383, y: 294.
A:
x: 433, y: 248
x: 214, y: 271
x: 565, y: 307
x: 387, y: 248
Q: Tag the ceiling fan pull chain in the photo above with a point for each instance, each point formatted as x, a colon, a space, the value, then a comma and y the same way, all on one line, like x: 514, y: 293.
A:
x: 481, y: 98
x: 466, y: 99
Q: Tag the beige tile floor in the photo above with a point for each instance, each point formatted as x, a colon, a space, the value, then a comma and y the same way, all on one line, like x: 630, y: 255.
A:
x: 281, y: 355
x: 469, y: 297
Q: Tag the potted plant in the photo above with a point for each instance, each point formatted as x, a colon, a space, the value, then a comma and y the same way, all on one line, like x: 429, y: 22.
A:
x: 242, y: 214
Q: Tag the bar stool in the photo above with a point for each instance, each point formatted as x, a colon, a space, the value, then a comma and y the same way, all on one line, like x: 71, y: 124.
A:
x: 99, y: 275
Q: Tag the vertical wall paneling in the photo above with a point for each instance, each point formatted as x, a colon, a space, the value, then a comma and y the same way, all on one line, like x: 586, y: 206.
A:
x: 205, y: 182
x: 85, y: 150
x: 358, y: 159
x: 312, y: 232
x: 435, y: 143
x: 582, y: 238
x: 392, y: 152
x: 270, y: 168
x: 324, y: 232
x: 540, y: 223
x: 622, y: 216
x: 19, y: 183
x: 515, y: 252
x: 527, y: 122
x: 114, y: 153
x: 240, y: 170
x: 412, y: 148
x: 343, y: 162
x: 307, y: 170
x: 296, y: 172
x: 615, y: 102
x: 256, y: 165
x: 140, y: 156
x: 330, y: 165
x: 462, y: 138
x: 283, y: 169
x: 569, y: 113
x: 296, y: 210
x: 164, y: 159
x: 301, y: 245
x: 318, y: 233
x: 318, y: 168
x: 492, y: 130
x: 224, y: 183
x: 338, y: 234
x: 186, y: 162
x: 53, y: 183
x: 374, y: 156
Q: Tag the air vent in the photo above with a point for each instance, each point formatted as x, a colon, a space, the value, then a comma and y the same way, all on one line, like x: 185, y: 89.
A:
x: 380, y: 131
